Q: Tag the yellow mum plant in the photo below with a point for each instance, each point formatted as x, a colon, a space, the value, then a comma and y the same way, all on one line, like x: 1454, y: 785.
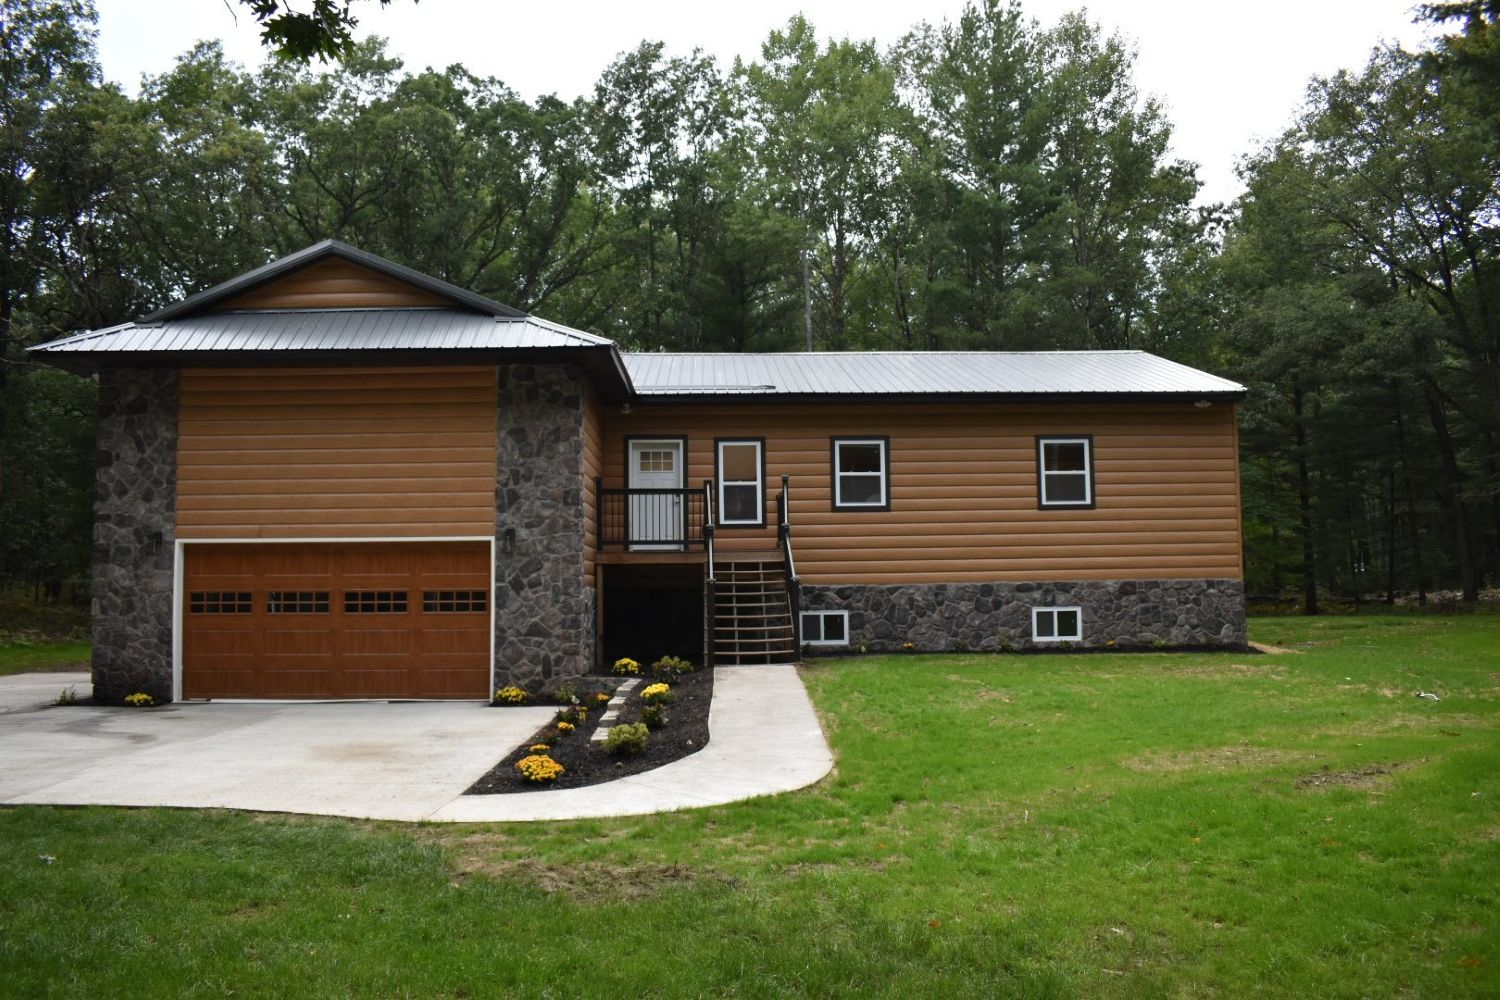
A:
x: 625, y: 665
x: 565, y: 727
x: 539, y: 748
x: 658, y: 693
x: 140, y: 700
x: 512, y: 695
x: 539, y: 768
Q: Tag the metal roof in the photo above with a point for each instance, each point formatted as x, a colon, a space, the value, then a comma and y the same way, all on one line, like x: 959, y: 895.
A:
x: 904, y: 373
x: 311, y: 255
x: 327, y: 330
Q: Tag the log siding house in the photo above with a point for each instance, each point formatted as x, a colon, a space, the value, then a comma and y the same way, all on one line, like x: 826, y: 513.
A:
x: 336, y: 477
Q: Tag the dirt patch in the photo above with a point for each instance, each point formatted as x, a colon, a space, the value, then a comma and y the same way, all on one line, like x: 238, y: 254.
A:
x: 587, y: 763
x: 1368, y: 777
x: 1216, y: 759
x: 1227, y: 671
x: 1261, y: 647
x: 591, y: 880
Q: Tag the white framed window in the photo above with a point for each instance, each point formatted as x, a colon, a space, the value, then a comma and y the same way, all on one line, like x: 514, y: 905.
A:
x: 825, y: 628
x: 1065, y: 471
x: 861, y: 476
x: 742, y: 482
x: 1056, y: 625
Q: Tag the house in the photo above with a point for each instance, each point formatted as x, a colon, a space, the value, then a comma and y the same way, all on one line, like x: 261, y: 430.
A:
x: 336, y: 477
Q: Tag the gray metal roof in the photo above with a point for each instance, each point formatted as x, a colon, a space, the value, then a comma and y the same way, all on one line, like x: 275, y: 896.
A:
x: 977, y: 373
x: 327, y: 330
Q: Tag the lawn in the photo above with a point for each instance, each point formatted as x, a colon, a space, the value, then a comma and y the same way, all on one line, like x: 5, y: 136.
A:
x: 26, y: 657
x: 1296, y: 824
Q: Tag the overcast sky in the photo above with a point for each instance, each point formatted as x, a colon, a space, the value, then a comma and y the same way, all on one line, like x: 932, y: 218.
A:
x: 1230, y: 74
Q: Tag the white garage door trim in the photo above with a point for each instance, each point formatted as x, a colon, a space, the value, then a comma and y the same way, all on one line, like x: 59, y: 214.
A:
x: 179, y: 562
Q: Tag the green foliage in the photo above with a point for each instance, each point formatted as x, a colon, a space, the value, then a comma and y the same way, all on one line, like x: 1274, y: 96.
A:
x: 672, y: 666
x: 654, y: 715
x: 627, y: 740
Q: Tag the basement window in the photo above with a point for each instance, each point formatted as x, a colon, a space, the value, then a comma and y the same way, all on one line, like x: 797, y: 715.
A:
x: 1056, y: 625
x: 297, y: 602
x: 444, y: 601
x: 825, y: 628
x: 375, y: 602
x: 1065, y: 471
x: 216, y: 602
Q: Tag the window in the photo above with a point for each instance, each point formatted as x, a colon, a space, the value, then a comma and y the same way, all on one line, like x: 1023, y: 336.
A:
x: 453, y: 600
x: 1056, y: 625
x: 374, y: 602
x: 825, y: 628
x: 214, y: 602
x: 860, y: 470
x: 1065, y: 471
x: 297, y: 602
x: 742, y: 478
x: 657, y: 460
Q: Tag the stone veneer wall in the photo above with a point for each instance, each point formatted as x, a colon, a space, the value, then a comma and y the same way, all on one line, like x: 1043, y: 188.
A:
x: 544, y: 611
x: 991, y: 616
x: 135, y: 491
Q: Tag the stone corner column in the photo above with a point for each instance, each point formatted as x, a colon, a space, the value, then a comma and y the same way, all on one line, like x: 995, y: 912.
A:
x: 135, y: 494
x: 544, y: 609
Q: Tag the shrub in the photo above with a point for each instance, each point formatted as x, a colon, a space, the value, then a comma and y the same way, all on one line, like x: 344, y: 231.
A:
x: 657, y: 694
x: 671, y: 666
x: 512, y: 695
x: 629, y: 739
x: 600, y: 697
x: 539, y: 769
x: 565, y: 695
x: 909, y: 647
x: 140, y: 700
x: 573, y: 713
x: 564, y: 728
x: 626, y: 667
x: 654, y: 716
x: 69, y: 696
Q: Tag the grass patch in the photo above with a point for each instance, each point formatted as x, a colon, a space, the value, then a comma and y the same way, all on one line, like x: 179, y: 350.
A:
x: 1103, y: 825
x: 27, y: 657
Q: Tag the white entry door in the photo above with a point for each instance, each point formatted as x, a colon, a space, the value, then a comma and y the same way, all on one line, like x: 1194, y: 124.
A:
x: 656, y: 519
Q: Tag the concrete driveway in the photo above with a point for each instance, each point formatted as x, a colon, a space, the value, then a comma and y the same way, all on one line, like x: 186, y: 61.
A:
x: 397, y: 760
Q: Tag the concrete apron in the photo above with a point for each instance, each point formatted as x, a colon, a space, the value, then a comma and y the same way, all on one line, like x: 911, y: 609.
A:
x: 409, y: 761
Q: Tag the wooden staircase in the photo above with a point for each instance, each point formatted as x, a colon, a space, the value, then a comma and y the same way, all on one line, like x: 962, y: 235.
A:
x: 752, y: 612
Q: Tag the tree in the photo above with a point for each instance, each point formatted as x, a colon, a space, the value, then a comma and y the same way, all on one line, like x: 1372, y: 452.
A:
x: 324, y: 32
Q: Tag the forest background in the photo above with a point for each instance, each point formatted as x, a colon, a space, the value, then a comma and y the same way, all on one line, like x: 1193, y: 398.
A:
x: 985, y: 183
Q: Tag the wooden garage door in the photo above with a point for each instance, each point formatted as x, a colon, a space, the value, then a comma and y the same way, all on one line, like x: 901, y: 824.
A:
x: 370, y: 620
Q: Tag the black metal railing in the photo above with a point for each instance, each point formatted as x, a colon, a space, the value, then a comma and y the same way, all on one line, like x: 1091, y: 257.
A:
x: 669, y: 518
x: 784, y: 536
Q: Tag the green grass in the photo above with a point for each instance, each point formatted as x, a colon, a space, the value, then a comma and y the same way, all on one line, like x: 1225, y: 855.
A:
x: 1073, y: 825
x: 25, y: 657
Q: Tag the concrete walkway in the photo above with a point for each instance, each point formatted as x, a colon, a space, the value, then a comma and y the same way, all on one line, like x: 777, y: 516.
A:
x: 397, y: 761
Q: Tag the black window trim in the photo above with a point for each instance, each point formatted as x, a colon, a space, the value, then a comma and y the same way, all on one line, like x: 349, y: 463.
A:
x: 1088, y: 444
x: 719, y: 483
x: 884, y: 441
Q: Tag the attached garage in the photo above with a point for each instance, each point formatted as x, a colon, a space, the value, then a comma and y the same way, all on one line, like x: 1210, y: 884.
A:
x: 336, y: 620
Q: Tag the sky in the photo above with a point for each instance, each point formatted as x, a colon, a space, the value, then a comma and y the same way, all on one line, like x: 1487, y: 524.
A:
x: 1231, y: 75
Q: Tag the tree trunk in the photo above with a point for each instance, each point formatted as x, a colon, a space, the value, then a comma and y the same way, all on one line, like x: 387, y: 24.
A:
x: 1463, y: 535
x: 1304, y: 511
x: 807, y: 298
x: 1390, y: 534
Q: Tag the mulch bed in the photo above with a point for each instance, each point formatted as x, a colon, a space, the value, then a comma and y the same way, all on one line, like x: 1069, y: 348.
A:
x: 587, y: 763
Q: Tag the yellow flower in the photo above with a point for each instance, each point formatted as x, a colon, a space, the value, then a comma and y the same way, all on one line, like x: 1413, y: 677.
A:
x: 539, y: 748
x: 539, y: 768
x: 512, y: 695
x: 565, y: 727
x: 625, y: 665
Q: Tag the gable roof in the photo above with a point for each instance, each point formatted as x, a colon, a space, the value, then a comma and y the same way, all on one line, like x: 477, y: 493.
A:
x: 1016, y: 374
x: 212, y: 328
x: 283, y: 266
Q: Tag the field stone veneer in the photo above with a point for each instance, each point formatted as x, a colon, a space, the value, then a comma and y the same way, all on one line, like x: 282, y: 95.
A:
x: 135, y: 491
x: 992, y: 616
x: 544, y: 612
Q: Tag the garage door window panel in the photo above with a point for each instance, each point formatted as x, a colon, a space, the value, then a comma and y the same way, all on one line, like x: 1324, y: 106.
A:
x: 214, y: 602
x: 297, y: 602
x: 375, y: 602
